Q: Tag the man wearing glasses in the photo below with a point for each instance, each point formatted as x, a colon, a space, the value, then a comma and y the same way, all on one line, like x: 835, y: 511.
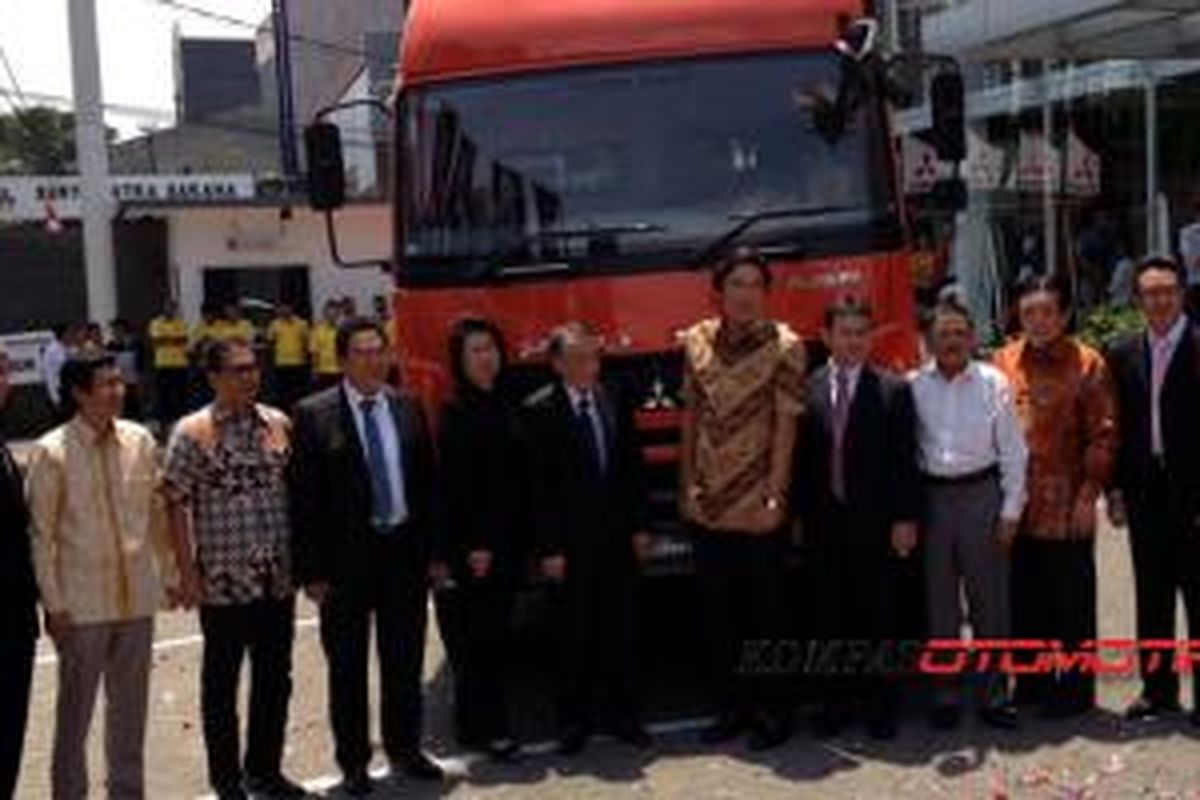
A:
x: 227, y: 492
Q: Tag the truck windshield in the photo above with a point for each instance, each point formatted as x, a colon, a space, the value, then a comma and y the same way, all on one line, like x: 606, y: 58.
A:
x: 643, y: 165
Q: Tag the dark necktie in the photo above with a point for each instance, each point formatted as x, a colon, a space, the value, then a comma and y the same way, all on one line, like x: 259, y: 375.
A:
x: 841, y: 416
x: 381, y: 485
x: 587, y: 431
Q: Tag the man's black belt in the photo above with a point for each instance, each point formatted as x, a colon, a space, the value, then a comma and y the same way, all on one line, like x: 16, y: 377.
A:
x: 986, y: 474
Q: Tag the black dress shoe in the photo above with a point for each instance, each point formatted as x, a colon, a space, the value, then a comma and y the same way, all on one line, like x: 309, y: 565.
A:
x: 1002, y: 716
x: 725, y: 728
x: 945, y: 717
x: 1144, y: 709
x: 882, y: 729
x: 1194, y: 718
x: 275, y: 786
x: 572, y: 742
x: 357, y: 784
x: 767, y: 734
x: 505, y: 751
x: 419, y: 766
x: 828, y: 723
x: 633, y: 735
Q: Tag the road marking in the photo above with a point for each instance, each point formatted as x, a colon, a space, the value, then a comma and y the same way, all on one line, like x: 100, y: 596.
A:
x: 179, y: 643
x: 459, y: 765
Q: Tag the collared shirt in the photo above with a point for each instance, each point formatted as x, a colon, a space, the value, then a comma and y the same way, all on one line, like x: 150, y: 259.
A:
x: 1189, y: 247
x: 53, y: 358
x: 385, y: 423
x: 968, y: 424
x: 577, y: 397
x: 1066, y: 403
x: 323, y: 346
x: 169, y: 338
x: 738, y: 386
x: 289, y: 338
x: 101, y: 547
x: 226, y: 329
x: 852, y: 375
x: 1161, y: 347
x: 230, y: 471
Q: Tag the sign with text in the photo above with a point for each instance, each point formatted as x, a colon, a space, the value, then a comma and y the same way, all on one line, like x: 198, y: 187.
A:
x: 25, y: 355
x: 36, y: 198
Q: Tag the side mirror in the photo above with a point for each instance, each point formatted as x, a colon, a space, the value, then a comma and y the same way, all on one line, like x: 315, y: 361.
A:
x: 947, y: 100
x: 326, y: 166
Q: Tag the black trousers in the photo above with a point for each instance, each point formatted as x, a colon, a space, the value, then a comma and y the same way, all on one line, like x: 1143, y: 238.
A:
x: 392, y: 592
x: 1165, y: 544
x: 1054, y: 597
x: 16, y: 674
x: 855, y: 599
x: 291, y: 385
x: 263, y: 629
x: 474, y: 620
x: 596, y: 627
x: 170, y: 394
x: 743, y: 584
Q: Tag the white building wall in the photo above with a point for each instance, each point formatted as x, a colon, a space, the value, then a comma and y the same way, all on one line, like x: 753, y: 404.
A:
x: 257, y: 237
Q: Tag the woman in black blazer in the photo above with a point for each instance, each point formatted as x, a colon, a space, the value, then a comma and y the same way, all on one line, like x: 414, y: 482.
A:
x: 477, y: 556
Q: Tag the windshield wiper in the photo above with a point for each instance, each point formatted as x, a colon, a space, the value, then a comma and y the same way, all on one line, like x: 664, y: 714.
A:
x: 566, y: 234
x: 747, y: 221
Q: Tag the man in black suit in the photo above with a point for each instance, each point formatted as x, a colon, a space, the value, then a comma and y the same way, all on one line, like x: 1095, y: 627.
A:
x: 857, y: 491
x: 361, y: 483
x: 1157, y: 374
x: 588, y: 500
x: 18, y: 609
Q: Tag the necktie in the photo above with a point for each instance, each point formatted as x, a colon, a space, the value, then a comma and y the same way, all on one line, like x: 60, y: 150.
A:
x: 841, y: 415
x: 381, y: 486
x: 1159, y: 363
x: 588, y: 434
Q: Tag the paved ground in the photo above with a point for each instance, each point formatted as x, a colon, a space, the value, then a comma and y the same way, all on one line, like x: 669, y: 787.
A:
x: 1100, y: 757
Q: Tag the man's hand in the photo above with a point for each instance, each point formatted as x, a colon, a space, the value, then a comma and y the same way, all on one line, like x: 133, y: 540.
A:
x: 190, y: 591
x: 318, y: 592
x: 1118, y: 514
x: 904, y: 538
x: 642, y: 545
x: 1084, y: 516
x: 1006, y: 534
x: 480, y: 563
x: 555, y: 568
x: 58, y: 625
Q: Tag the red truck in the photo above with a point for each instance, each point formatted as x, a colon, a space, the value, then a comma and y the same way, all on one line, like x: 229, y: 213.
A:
x: 585, y: 159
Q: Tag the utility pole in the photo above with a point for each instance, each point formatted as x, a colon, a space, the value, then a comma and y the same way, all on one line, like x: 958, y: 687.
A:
x: 91, y: 145
x: 289, y: 161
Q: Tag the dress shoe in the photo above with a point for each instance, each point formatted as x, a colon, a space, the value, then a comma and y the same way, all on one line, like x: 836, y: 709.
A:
x: 725, y: 728
x: 1002, y: 716
x: 946, y: 717
x: 572, y: 742
x: 275, y: 786
x: 418, y: 766
x: 1194, y: 718
x: 767, y: 734
x: 357, y: 784
x: 1144, y: 709
x: 504, y: 751
x: 828, y: 723
x: 1061, y: 710
x: 633, y: 735
x: 882, y: 728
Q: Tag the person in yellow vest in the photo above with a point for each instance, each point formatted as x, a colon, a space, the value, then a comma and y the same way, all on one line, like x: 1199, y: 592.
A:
x: 323, y: 347
x: 232, y: 325
x: 205, y: 331
x: 168, y: 335
x: 288, y: 336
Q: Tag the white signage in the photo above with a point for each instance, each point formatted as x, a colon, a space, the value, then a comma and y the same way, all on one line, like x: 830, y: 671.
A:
x: 25, y: 355
x: 45, y: 198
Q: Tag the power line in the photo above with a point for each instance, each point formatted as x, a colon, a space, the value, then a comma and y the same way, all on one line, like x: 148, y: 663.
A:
x: 216, y: 16
x: 12, y: 78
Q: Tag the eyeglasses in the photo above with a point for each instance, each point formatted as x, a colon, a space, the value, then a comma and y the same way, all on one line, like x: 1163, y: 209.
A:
x: 241, y: 370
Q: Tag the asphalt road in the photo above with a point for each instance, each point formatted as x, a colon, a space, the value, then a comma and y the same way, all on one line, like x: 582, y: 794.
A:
x: 1100, y: 756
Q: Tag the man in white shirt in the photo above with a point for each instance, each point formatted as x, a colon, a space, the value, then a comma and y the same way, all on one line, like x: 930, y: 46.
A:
x: 973, y: 456
x: 1189, y: 249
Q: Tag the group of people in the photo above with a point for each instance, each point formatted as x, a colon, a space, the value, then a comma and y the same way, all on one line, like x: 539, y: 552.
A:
x: 162, y: 370
x: 964, y: 478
